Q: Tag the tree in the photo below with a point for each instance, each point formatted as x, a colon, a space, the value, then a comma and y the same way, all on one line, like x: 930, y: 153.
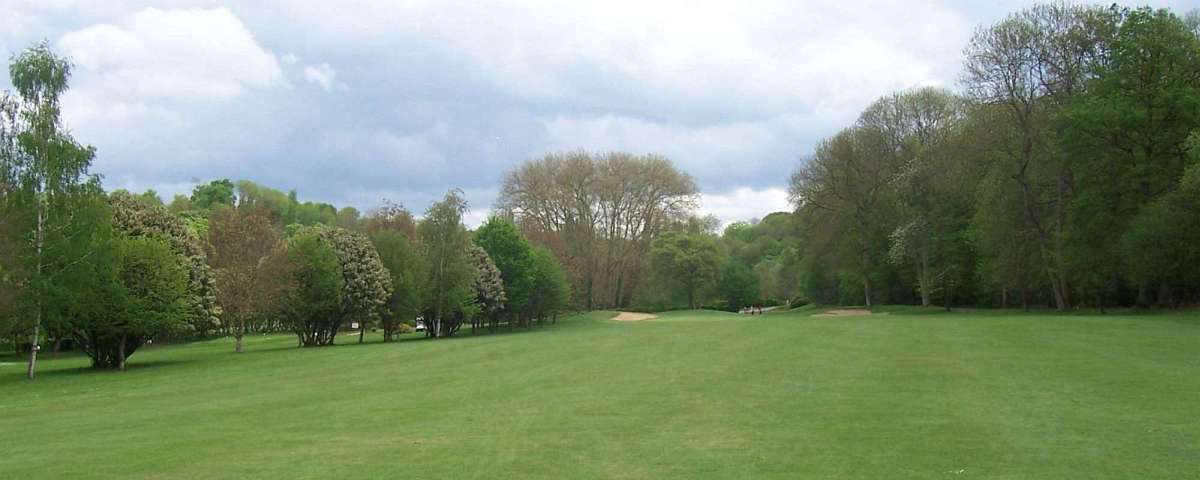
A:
x: 409, y: 272
x: 551, y: 291
x: 488, y: 288
x: 212, y: 194
x: 45, y: 170
x: 391, y: 216
x: 451, y: 275
x: 690, y: 260
x: 738, y: 286
x: 241, y: 242
x: 600, y: 213
x: 137, y: 219
x: 367, y: 285
x: 139, y: 290
x: 1128, y: 134
x: 339, y: 278
x: 848, y: 177
x: 1162, y: 245
x: 313, y: 307
x: 1030, y: 66
x: 513, y: 255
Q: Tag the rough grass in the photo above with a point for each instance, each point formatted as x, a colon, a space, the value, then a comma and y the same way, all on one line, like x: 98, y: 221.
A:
x: 688, y: 395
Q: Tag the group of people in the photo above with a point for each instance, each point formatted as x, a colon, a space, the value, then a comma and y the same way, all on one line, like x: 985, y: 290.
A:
x: 753, y: 310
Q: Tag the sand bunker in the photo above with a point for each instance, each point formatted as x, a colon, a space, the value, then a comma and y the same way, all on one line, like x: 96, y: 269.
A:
x: 844, y: 312
x: 633, y: 317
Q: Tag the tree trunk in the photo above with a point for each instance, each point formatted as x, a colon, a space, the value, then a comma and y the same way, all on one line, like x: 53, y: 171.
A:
x: 33, y: 347
x: 924, y: 281
x: 362, y: 330
x: 121, y: 354
x: 1004, y: 297
x: 239, y: 332
x: 37, y: 318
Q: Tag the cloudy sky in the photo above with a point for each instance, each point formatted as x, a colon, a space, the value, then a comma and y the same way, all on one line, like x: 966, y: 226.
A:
x: 350, y: 102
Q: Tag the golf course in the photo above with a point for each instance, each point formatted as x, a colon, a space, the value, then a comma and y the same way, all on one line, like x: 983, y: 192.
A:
x: 904, y: 392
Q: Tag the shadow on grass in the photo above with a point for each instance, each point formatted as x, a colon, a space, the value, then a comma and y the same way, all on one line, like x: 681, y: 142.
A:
x: 130, y: 366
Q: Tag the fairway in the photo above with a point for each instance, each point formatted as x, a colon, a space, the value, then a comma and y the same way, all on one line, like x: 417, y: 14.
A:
x: 685, y: 395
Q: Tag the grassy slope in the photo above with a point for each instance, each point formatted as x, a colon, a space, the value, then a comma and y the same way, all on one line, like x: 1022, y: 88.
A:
x: 689, y: 395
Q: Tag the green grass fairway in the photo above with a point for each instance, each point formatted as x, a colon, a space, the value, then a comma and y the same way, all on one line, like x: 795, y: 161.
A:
x: 688, y: 395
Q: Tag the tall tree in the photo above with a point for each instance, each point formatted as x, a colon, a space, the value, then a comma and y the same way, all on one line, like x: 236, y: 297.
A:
x: 46, y: 171
x: 240, y: 244
x: 1128, y: 134
x: 445, y: 242
x: 848, y: 177
x: 551, y: 291
x: 488, y: 288
x: 513, y: 255
x: 690, y: 260
x: 601, y: 212
x: 409, y: 273
x: 313, y: 308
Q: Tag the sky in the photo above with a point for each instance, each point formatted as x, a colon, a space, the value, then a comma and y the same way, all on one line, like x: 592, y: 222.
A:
x: 352, y: 102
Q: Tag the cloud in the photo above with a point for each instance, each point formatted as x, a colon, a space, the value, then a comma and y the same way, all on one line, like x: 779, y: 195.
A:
x: 452, y: 94
x: 181, y: 55
x: 717, y: 155
x: 324, y: 76
x: 744, y: 204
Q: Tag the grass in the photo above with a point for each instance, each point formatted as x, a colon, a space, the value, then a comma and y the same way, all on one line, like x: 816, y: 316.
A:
x: 690, y: 395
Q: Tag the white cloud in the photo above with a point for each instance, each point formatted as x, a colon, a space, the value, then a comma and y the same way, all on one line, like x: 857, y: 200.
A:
x: 183, y: 55
x: 743, y: 204
x: 290, y: 58
x: 323, y: 75
x: 769, y: 57
x: 715, y: 154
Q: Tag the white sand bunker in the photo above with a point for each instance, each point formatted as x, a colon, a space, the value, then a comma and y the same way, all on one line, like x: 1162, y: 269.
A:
x: 844, y: 312
x: 633, y: 317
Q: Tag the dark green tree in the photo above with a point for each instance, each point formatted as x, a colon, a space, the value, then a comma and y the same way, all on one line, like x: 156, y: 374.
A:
x: 738, y: 286
x: 409, y: 274
x: 513, y: 255
x: 212, y: 194
x: 690, y: 260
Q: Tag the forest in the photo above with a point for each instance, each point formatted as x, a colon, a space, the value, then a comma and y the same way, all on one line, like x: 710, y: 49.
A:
x: 1063, y: 172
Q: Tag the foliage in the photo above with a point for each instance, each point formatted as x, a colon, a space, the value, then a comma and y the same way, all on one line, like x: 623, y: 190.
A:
x: 599, y: 213
x: 138, y: 291
x: 409, y: 273
x: 488, y: 285
x: 313, y: 307
x: 738, y: 286
x: 690, y: 260
x: 551, y: 291
x: 214, y: 193
x: 250, y: 283
x: 513, y: 255
x: 445, y: 244
x: 339, y: 279
x: 137, y: 219
x: 43, y: 180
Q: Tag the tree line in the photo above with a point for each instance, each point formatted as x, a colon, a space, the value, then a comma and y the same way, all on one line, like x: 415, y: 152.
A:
x: 1062, y: 175
x: 111, y: 272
